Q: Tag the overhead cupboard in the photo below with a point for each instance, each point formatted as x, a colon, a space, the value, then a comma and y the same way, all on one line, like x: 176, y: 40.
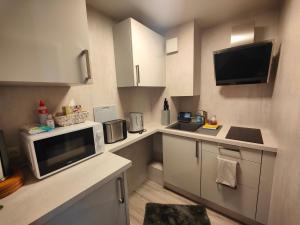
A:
x: 190, y: 168
x: 139, y: 55
x: 44, y: 42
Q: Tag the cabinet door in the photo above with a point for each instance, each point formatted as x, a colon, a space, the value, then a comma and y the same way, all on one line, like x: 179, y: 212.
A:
x: 265, y: 187
x: 148, y: 49
x: 102, y: 206
x: 243, y: 199
x: 42, y: 41
x: 182, y: 163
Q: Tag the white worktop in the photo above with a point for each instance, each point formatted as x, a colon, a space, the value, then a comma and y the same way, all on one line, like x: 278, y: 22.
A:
x: 39, y: 197
x: 270, y: 143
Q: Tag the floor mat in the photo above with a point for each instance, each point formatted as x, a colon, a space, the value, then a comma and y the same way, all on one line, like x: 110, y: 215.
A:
x: 169, y: 214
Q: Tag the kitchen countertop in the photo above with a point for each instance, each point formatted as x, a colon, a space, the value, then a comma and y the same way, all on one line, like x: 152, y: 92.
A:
x: 270, y: 143
x: 39, y: 197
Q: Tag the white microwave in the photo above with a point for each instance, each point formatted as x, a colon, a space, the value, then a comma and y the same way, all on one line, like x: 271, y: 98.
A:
x: 50, y: 152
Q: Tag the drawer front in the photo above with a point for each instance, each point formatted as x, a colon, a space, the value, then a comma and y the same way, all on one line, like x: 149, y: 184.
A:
x: 233, y: 151
x: 247, y: 172
x: 241, y: 200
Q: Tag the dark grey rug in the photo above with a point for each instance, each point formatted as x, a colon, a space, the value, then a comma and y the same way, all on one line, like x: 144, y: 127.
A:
x: 167, y: 214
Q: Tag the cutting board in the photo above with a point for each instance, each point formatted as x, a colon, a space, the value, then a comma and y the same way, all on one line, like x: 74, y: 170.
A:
x: 105, y: 113
x: 11, y: 184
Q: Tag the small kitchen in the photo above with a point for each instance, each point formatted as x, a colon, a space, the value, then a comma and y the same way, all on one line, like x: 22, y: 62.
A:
x: 112, y: 119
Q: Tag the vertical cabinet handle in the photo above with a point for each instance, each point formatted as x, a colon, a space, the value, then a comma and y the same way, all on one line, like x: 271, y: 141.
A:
x: 197, y: 149
x: 137, y: 70
x: 88, y: 64
x: 121, y: 190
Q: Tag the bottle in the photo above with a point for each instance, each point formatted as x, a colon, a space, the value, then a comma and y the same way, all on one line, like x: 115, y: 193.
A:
x: 42, y: 112
x: 166, y: 105
x: 50, y: 122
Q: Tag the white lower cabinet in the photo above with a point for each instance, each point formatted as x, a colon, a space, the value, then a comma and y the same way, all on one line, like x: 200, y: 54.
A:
x: 265, y: 187
x: 182, y: 163
x: 190, y: 167
x: 241, y: 200
x: 107, y: 205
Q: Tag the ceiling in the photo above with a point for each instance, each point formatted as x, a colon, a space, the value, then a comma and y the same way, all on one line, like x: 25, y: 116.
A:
x: 163, y: 14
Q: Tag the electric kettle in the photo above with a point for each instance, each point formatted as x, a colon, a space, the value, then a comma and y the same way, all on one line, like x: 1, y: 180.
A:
x: 136, y: 124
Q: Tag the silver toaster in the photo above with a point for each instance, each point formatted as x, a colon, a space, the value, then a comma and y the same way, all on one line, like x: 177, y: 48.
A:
x: 114, y: 130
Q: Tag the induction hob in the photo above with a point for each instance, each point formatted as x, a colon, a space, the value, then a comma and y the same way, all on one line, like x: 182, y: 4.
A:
x: 245, y: 134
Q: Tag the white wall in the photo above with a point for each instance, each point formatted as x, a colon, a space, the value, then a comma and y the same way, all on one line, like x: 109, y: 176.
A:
x: 285, y: 201
x: 248, y: 105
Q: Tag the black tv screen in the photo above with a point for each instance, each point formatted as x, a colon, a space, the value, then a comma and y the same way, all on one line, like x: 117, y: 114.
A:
x: 246, y: 64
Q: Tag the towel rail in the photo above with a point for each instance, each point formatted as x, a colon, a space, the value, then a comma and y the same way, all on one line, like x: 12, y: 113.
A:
x: 234, y: 149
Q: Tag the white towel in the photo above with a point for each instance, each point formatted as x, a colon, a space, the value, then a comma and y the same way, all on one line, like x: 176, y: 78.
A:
x: 226, y: 173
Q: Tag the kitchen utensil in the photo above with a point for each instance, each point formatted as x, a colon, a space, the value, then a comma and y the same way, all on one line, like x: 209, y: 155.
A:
x: 105, y: 113
x: 11, y: 184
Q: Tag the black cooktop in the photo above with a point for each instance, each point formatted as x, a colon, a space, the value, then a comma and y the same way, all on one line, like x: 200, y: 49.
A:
x: 245, y: 134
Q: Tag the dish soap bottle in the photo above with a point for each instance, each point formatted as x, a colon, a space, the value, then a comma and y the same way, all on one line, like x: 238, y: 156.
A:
x: 42, y: 112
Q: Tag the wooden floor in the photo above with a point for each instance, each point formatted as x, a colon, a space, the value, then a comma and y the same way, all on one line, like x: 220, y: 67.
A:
x: 152, y: 192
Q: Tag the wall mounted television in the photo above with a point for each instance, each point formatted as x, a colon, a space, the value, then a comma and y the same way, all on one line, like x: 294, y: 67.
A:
x: 245, y: 64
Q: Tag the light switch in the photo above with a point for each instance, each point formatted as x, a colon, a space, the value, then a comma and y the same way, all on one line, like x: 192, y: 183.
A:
x: 172, y: 45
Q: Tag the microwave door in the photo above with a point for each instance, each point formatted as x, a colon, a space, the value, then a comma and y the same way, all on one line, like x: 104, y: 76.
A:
x: 57, y: 152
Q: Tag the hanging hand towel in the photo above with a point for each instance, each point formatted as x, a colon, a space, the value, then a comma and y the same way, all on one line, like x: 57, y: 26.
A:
x: 226, y: 173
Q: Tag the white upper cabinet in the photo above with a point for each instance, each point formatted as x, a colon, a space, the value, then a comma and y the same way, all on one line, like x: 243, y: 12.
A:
x: 139, y: 54
x: 44, y: 42
x: 183, y: 67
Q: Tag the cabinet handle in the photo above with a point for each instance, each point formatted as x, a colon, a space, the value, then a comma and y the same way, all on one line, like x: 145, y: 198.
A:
x: 197, y: 150
x: 86, y: 53
x: 121, y: 190
x: 137, y: 70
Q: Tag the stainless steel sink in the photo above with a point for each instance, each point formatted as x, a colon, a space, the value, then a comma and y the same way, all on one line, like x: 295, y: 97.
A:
x: 192, y: 127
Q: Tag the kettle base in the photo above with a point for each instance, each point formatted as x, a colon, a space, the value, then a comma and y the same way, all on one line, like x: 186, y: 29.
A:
x: 139, y: 131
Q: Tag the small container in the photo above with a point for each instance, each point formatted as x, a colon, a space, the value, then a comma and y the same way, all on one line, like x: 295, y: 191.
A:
x: 165, y: 117
x: 67, y: 110
x: 213, y: 120
x: 200, y: 119
x: 50, y: 122
x: 42, y: 112
x: 204, y: 115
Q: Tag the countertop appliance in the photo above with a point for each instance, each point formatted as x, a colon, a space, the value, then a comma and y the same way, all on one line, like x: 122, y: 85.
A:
x: 53, y: 151
x: 136, y: 123
x: 245, y: 134
x: 114, y: 130
x: 245, y: 64
x: 5, y: 169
